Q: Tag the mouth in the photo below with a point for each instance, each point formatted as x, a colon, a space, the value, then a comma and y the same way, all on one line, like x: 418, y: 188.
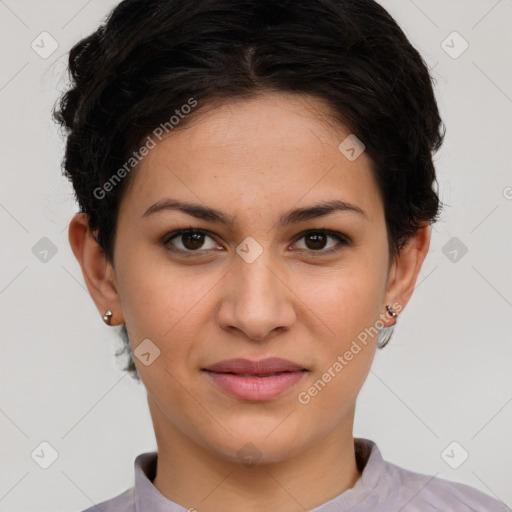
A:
x: 255, y: 380
x: 265, y: 366
x: 257, y: 375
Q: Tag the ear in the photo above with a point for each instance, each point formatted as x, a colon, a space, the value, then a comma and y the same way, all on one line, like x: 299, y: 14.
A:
x: 98, y: 273
x: 405, y: 269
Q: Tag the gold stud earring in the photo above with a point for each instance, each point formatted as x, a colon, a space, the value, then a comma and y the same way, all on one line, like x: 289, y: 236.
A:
x: 107, y: 317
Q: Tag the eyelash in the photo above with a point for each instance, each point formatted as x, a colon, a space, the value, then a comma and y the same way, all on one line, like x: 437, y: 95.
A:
x: 343, y: 240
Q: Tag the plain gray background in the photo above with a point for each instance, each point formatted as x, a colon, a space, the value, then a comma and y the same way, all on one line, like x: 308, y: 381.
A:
x: 446, y: 375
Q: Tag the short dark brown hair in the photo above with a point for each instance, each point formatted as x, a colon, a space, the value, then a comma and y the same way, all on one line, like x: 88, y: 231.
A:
x: 151, y: 56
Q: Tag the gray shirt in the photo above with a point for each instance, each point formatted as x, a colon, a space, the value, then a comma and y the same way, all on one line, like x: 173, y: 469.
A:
x: 382, y: 487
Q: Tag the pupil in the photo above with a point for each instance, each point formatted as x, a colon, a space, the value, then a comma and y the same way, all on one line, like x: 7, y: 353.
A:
x: 197, y: 240
x: 316, y: 237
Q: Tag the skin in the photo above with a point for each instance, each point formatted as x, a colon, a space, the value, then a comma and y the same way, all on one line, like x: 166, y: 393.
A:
x: 254, y: 160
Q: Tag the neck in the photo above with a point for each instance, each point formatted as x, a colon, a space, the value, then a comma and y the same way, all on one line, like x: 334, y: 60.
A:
x: 197, y: 478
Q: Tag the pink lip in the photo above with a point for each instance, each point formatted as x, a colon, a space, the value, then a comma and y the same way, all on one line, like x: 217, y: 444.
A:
x: 250, y: 380
x: 261, y: 367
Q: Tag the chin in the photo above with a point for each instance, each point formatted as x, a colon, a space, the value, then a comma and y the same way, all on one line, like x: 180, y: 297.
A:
x: 259, y: 446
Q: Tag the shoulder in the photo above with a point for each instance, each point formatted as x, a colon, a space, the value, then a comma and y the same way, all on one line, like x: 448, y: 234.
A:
x: 124, y: 502
x: 421, y: 492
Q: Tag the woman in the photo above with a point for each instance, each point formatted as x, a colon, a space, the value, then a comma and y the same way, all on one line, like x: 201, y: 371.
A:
x: 256, y: 189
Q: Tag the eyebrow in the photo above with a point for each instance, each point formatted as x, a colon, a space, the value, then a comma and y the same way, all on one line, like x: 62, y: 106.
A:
x: 291, y: 217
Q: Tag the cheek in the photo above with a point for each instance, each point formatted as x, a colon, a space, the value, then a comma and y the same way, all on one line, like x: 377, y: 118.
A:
x: 347, y: 299
x: 346, y: 355
x: 349, y: 305
x: 158, y: 298
x: 338, y: 386
x: 169, y: 307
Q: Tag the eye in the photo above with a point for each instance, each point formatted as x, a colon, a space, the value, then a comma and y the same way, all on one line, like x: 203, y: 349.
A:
x: 193, y: 240
x: 316, y: 241
x: 189, y: 240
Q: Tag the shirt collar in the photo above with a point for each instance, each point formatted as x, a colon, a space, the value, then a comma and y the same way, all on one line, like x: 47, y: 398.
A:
x: 368, y: 459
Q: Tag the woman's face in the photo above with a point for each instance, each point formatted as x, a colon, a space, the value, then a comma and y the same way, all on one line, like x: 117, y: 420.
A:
x: 270, y: 283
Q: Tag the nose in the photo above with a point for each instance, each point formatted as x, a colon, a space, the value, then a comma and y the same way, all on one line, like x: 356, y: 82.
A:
x: 256, y: 301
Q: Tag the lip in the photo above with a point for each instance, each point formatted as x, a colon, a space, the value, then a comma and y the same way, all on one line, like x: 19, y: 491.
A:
x: 257, y: 367
x: 255, y: 380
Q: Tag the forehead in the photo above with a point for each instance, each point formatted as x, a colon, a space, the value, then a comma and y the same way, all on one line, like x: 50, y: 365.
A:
x: 275, y: 149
